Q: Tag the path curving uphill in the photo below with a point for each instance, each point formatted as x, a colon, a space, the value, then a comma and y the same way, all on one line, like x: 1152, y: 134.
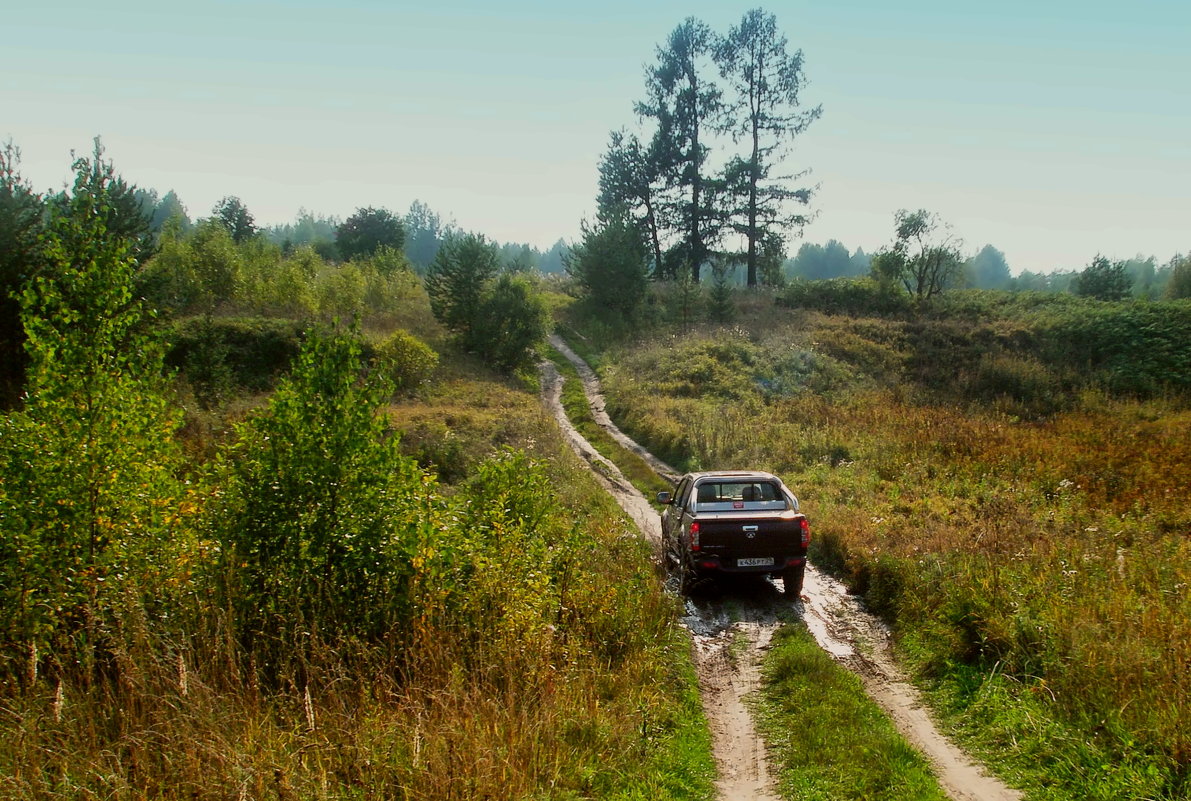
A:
x: 728, y: 673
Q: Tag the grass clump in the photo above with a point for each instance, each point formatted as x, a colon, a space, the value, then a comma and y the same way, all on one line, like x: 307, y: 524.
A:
x: 827, y: 738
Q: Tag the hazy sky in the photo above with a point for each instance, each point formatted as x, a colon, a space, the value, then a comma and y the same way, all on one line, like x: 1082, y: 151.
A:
x: 1052, y: 130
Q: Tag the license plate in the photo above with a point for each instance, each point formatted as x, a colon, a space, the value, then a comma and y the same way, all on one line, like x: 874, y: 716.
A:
x: 756, y: 561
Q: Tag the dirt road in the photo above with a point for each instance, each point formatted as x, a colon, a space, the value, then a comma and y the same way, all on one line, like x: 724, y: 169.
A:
x: 728, y: 651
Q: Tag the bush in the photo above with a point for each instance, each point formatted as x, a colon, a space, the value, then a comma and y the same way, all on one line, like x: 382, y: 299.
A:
x: 247, y: 352
x: 611, y: 266
x: 88, y: 469
x: 1137, y: 348
x: 406, y: 360
x: 316, y: 535
x: 854, y: 296
x: 510, y: 323
x: 1018, y: 385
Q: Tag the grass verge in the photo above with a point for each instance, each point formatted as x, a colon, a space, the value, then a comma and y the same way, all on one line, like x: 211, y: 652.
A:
x: 1010, y: 725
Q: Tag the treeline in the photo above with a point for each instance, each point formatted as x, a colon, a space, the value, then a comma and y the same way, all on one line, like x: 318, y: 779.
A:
x: 424, y: 233
x: 225, y: 265
x: 988, y: 269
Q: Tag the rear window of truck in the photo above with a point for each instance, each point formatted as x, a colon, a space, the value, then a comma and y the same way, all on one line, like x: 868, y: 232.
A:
x: 725, y: 495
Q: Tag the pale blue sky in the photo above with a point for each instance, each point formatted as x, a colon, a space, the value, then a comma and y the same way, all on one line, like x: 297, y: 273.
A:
x: 1052, y: 130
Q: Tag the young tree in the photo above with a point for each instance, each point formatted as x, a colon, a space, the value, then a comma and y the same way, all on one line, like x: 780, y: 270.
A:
x: 1103, y: 280
x: 458, y: 279
x: 363, y: 233
x: 125, y: 214
x: 925, y: 255
x: 683, y: 99
x: 89, y: 465
x: 610, y: 265
x: 719, y: 298
x: 316, y: 520
x: 511, y: 321
x: 21, y: 211
x: 770, y: 259
x: 764, y: 111
x: 235, y: 217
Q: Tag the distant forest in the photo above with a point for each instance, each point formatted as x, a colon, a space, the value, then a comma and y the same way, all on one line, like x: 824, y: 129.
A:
x: 987, y: 269
x: 425, y: 230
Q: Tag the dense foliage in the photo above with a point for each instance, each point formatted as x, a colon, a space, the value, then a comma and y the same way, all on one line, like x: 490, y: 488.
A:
x: 89, y: 490
x: 368, y: 230
x: 495, y: 315
x: 1103, y: 280
x: 611, y: 267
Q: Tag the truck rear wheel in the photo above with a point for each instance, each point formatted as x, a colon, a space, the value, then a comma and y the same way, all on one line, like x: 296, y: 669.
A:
x: 792, y: 577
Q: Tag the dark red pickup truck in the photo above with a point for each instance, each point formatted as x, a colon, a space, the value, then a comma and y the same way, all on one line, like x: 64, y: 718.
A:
x: 734, y: 522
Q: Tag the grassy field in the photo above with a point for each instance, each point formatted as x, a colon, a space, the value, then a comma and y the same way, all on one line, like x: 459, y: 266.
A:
x: 1031, y: 545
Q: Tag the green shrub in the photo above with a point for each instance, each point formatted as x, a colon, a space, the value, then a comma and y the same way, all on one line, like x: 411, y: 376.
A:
x: 854, y: 296
x: 511, y: 321
x: 1137, y: 348
x: 406, y: 360
x: 1019, y: 385
x: 88, y: 469
x: 315, y: 525
x: 341, y: 292
x: 250, y: 352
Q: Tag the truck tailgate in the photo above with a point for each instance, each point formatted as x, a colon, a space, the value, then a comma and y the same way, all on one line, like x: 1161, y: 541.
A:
x: 757, y: 535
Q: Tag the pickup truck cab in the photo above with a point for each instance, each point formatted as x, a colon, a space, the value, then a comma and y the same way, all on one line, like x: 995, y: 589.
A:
x: 734, y: 522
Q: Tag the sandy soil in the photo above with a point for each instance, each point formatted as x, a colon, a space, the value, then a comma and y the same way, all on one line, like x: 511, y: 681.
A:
x: 728, y: 649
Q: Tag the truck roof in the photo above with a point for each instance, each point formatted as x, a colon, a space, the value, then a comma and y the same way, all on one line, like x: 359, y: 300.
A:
x: 757, y: 474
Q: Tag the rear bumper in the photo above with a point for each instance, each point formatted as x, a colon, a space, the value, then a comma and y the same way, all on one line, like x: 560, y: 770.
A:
x: 714, y: 563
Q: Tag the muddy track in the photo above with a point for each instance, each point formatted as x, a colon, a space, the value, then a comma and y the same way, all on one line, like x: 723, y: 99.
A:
x: 730, y: 640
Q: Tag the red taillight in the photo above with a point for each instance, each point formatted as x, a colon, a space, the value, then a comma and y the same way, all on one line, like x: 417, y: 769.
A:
x: 695, y: 536
x: 806, y: 532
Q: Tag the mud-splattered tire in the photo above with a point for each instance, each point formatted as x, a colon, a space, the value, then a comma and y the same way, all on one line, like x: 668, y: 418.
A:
x: 792, y: 578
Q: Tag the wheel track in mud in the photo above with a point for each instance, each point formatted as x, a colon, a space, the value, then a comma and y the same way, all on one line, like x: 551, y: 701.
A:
x: 728, y: 652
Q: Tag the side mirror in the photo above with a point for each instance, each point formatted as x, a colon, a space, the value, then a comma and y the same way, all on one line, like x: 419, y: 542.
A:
x: 664, y: 498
